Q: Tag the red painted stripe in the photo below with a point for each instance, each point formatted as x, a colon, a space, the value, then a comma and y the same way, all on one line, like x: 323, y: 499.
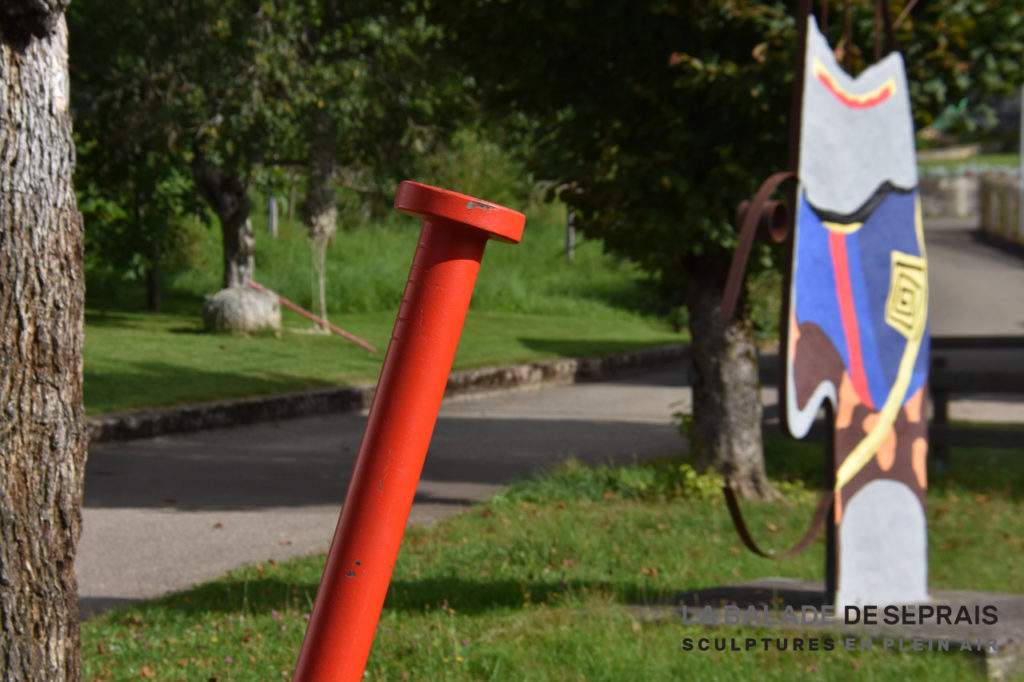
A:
x: 854, y: 103
x: 848, y: 314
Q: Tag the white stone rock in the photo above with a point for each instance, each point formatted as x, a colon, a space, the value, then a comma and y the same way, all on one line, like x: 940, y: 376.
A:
x: 240, y: 309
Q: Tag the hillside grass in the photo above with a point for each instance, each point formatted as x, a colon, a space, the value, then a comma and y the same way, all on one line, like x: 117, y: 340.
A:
x: 529, y: 304
x: 135, y: 360
x: 542, y: 583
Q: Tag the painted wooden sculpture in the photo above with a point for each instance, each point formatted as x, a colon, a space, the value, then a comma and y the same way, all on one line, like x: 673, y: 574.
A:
x: 855, y: 327
x: 858, y: 311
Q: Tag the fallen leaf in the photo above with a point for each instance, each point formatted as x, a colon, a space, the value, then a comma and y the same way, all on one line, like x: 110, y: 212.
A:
x: 147, y: 672
x: 218, y: 525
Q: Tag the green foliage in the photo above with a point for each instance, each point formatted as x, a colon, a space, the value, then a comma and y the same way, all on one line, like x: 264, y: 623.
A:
x: 228, y: 92
x: 654, y: 140
x: 660, y: 480
x: 962, y: 54
x: 140, y: 222
x: 360, y: 90
x: 134, y: 188
x: 764, y: 292
x: 655, y: 119
x: 473, y: 162
x: 154, y: 81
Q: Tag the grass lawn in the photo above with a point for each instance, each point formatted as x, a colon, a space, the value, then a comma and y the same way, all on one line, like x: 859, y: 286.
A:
x: 538, y: 584
x: 1011, y: 161
x: 137, y: 359
x: 529, y: 304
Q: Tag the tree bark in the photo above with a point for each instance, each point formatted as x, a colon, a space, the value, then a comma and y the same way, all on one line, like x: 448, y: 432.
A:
x: 228, y: 196
x: 42, y: 291
x: 726, y: 432
x: 153, y: 288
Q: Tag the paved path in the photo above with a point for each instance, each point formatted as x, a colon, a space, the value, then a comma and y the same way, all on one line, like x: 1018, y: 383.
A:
x: 164, y: 513
x: 975, y: 288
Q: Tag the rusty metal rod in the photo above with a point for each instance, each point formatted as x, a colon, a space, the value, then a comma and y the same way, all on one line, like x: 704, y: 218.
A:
x: 294, y: 307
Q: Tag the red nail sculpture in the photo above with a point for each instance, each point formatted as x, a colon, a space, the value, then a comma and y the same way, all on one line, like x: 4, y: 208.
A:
x: 455, y: 230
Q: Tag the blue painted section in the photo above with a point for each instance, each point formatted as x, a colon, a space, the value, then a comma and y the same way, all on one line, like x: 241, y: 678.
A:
x: 814, y: 281
x: 889, y: 228
x: 869, y: 257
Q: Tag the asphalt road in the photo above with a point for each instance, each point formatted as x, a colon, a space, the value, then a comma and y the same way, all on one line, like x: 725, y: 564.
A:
x: 164, y: 513
x: 974, y: 288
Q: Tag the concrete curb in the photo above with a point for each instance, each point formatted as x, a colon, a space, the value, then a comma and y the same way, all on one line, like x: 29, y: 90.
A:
x: 227, y: 413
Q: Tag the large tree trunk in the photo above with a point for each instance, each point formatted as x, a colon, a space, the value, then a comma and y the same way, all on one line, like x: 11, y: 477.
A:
x: 42, y: 290
x: 726, y: 432
x: 228, y: 196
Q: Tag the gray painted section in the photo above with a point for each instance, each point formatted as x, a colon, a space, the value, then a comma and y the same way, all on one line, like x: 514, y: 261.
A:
x: 845, y: 154
x: 883, y: 547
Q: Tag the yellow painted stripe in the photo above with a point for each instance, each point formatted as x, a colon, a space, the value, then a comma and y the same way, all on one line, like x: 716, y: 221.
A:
x: 887, y: 88
x: 842, y: 228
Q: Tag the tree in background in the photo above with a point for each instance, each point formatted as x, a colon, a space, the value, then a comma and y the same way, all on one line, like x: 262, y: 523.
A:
x: 139, y: 220
x: 134, y: 185
x: 179, y: 95
x: 42, y: 292
x: 229, y: 90
x: 663, y: 116
x: 366, y: 100
x: 660, y: 116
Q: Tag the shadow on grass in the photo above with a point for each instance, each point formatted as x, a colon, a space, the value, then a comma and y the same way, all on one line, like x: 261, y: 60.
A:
x: 104, y: 296
x: 138, y: 385
x: 587, y: 348
x: 637, y: 297
x: 106, y: 319
x: 102, y: 317
x: 264, y: 595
